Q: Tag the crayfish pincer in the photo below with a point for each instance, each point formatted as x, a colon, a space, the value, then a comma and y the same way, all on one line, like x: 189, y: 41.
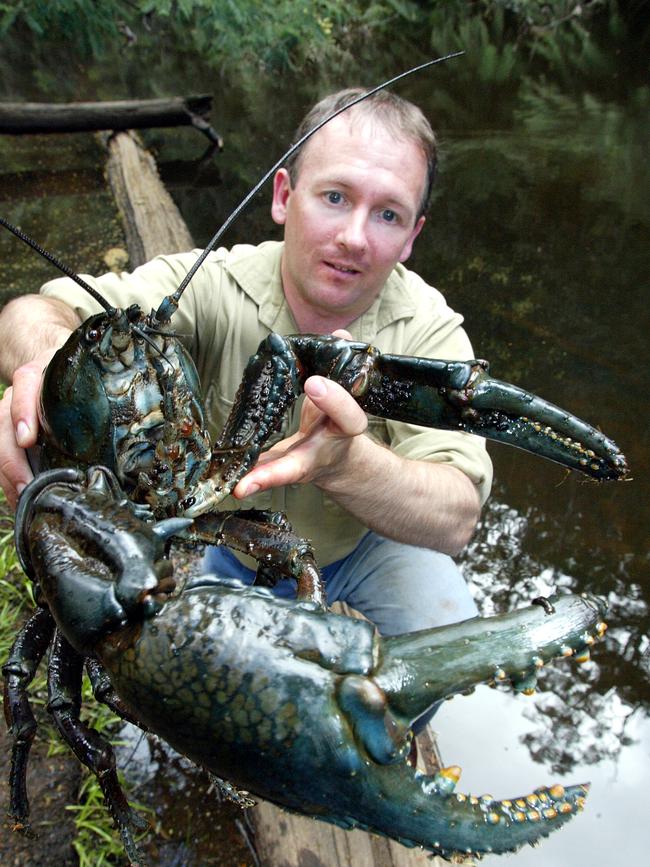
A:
x: 308, y: 709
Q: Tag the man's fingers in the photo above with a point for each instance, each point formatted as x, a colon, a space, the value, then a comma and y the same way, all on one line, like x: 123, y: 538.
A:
x: 24, y: 402
x: 286, y: 470
x: 330, y: 417
x: 19, y: 425
x: 335, y: 402
x: 14, y: 469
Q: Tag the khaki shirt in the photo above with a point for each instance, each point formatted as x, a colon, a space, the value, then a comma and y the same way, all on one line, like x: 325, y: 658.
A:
x: 234, y: 301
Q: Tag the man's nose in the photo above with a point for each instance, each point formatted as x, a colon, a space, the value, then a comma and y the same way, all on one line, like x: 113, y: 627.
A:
x: 352, y: 231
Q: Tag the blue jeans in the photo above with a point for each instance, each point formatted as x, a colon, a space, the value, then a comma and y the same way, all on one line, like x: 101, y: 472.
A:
x: 399, y: 587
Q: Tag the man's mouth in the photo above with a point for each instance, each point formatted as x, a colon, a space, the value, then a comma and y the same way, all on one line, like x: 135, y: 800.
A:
x: 342, y: 269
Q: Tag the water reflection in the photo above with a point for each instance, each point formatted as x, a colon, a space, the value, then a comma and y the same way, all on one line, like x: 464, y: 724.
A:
x: 486, y: 733
x: 53, y: 188
x: 579, y: 716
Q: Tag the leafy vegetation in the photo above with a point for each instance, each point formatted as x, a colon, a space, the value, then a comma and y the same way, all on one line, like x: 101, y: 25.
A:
x: 96, y: 842
x: 283, y: 34
x: 239, y: 35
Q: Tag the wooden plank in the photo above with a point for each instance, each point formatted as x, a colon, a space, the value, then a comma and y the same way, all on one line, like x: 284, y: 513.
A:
x: 152, y: 223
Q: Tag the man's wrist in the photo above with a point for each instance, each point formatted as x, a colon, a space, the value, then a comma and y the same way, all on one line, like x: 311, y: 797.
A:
x: 351, y: 465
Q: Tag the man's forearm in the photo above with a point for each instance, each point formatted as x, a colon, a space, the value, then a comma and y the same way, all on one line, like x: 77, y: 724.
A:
x: 423, y: 503
x: 30, y: 325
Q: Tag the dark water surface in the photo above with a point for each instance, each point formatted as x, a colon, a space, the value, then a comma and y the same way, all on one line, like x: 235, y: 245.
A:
x: 538, y: 233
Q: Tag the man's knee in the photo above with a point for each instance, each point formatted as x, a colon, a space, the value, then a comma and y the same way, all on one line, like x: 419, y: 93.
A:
x: 405, y: 589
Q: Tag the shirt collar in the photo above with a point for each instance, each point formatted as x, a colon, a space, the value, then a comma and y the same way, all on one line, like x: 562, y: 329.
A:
x: 257, y: 271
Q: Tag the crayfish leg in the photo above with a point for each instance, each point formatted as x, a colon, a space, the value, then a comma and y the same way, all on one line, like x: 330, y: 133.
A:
x: 19, y: 670
x: 92, y: 750
x: 105, y: 694
x: 269, y: 538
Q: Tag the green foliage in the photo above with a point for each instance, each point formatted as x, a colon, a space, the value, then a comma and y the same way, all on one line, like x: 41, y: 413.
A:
x: 284, y: 34
x: 16, y: 598
x: 224, y: 33
x: 87, y: 25
x: 15, y: 595
x: 74, y: 43
x: 96, y: 842
x: 507, y: 38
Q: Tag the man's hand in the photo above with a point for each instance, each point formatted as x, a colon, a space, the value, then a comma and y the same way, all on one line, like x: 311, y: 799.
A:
x: 329, y: 422
x: 417, y: 502
x: 31, y: 330
x: 19, y: 425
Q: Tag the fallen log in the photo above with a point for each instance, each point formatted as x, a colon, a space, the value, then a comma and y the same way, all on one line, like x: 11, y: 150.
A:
x: 152, y: 223
x: 20, y: 118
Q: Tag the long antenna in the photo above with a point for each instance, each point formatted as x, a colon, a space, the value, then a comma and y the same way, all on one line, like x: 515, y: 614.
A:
x: 58, y: 264
x: 169, y: 305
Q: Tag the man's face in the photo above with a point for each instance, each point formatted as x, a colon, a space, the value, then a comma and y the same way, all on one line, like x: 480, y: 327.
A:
x: 351, y: 217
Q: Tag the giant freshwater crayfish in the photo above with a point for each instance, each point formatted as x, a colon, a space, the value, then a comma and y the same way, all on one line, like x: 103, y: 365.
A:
x: 308, y: 709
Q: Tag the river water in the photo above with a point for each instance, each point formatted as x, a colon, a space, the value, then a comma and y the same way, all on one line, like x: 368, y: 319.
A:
x: 538, y: 233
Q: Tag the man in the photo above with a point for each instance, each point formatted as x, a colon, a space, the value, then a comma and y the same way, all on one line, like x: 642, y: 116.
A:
x: 352, y: 203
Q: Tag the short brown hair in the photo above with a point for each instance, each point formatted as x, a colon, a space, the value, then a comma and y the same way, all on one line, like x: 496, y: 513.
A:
x: 400, y: 116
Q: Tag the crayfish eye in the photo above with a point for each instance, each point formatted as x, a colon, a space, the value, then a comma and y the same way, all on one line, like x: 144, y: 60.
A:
x: 93, y: 335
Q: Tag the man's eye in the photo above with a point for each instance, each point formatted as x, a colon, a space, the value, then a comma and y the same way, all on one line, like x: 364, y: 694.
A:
x: 388, y: 216
x: 334, y: 198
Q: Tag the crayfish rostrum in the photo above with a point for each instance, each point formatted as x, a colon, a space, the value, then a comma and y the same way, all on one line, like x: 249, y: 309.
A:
x: 284, y: 699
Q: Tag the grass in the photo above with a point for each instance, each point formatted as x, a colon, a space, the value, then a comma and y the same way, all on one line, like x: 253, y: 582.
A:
x: 96, y: 842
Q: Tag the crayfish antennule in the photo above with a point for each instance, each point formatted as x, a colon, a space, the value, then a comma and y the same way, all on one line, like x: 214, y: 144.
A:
x: 166, y: 309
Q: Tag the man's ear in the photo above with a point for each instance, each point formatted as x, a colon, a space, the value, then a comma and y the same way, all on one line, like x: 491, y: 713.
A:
x: 281, y: 193
x: 406, y: 249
